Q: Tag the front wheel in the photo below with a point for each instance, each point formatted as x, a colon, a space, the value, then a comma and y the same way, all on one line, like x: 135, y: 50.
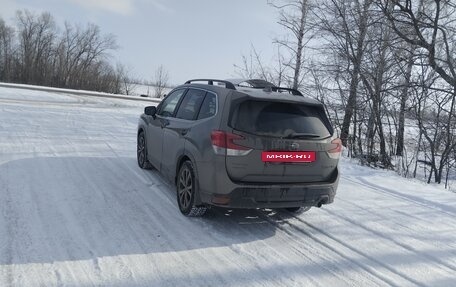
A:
x: 141, y: 152
x: 186, y: 191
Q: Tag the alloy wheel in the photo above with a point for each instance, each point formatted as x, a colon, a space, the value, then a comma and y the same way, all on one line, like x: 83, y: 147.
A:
x: 185, y: 188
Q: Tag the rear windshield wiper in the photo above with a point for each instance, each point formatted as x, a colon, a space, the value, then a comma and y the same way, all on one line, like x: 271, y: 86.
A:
x: 301, y: 136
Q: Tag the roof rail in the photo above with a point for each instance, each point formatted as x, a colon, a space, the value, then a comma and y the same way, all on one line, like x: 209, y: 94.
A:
x: 279, y: 89
x: 228, y: 84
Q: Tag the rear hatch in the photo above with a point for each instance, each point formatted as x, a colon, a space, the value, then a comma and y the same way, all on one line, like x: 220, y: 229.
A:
x: 281, y: 142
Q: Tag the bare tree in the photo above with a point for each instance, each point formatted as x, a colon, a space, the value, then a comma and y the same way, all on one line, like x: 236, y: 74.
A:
x: 254, y: 66
x: 293, y: 17
x: 125, y: 83
x: 434, y: 31
x: 405, y: 53
x: 36, y: 36
x: 347, y: 24
x: 6, y: 51
x: 432, y: 28
x: 374, y: 72
x: 247, y: 69
x: 35, y: 52
x: 377, y: 63
x: 431, y: 103
x: 160, y: 81
x: 409, y: 59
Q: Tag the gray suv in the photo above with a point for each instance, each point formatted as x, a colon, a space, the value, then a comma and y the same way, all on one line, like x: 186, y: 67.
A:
x: 236, y: 145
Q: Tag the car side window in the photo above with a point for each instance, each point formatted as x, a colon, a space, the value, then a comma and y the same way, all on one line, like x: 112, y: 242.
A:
x: 169, y: 104
x: 208, y: 108
x: 191, y: 104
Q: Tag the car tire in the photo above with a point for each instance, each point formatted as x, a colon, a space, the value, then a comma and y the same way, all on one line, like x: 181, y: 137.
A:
x: 141, y: 152
x: 298, y: 210
x: 186, y: 191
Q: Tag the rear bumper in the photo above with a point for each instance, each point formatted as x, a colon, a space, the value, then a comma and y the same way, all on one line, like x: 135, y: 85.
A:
x: 274, y: 195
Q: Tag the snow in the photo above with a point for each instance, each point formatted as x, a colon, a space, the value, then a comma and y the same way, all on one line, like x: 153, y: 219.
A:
x: 76, y: 210
x: 76, y: 92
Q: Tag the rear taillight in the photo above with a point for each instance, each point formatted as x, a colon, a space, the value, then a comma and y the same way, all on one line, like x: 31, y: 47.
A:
x: 223, y: 143
x: 336, y: 150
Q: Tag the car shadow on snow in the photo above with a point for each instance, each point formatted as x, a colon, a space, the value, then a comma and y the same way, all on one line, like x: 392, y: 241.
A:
x: 78, y: 208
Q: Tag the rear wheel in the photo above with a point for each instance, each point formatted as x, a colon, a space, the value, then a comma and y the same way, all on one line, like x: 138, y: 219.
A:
x: 186, y: 191
x: 141, y: 152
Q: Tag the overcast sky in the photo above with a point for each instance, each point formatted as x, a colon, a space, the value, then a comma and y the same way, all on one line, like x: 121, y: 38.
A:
x: 190, y: 38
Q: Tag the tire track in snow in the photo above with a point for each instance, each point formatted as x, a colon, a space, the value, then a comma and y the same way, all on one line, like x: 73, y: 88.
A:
x: 403, y: 225
x: 421, y: 219
x: 303, y: 252
x: 392, y: 220
x: 307, y: 250
x: 264, y: 252
x: 407, y: 247
x: 97, y: 226
x: 44, y: 224
x: 418, y: 220
x: 166, y: 193
x: 151, y: 219
x: 163, y: 223
x: 441, y: 208
x: 330, y: 238
x: 48, y: 222
x: 313, y: 254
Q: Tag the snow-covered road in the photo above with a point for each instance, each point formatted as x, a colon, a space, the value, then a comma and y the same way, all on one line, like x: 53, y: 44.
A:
x: 76, y: 210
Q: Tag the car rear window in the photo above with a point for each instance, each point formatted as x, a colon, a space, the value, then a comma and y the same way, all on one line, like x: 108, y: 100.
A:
x: 282, y: 120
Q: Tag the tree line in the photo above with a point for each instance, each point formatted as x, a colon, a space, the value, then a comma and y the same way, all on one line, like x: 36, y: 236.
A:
x: 385, y: 70
x: 36, y: 51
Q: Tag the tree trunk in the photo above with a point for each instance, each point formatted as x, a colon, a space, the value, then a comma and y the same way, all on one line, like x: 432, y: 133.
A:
x: 404, y: 97
x: 300, y: 47
x: 351, y: 102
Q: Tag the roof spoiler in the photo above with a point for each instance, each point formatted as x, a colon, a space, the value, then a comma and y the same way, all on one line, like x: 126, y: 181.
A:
x: 279, y: 89
x: 228, y: 84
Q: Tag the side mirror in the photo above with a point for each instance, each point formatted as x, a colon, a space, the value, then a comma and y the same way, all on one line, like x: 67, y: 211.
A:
x: 150, y: 111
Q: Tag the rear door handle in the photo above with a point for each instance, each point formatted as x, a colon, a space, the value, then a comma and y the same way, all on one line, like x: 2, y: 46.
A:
x: 184, y: 132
